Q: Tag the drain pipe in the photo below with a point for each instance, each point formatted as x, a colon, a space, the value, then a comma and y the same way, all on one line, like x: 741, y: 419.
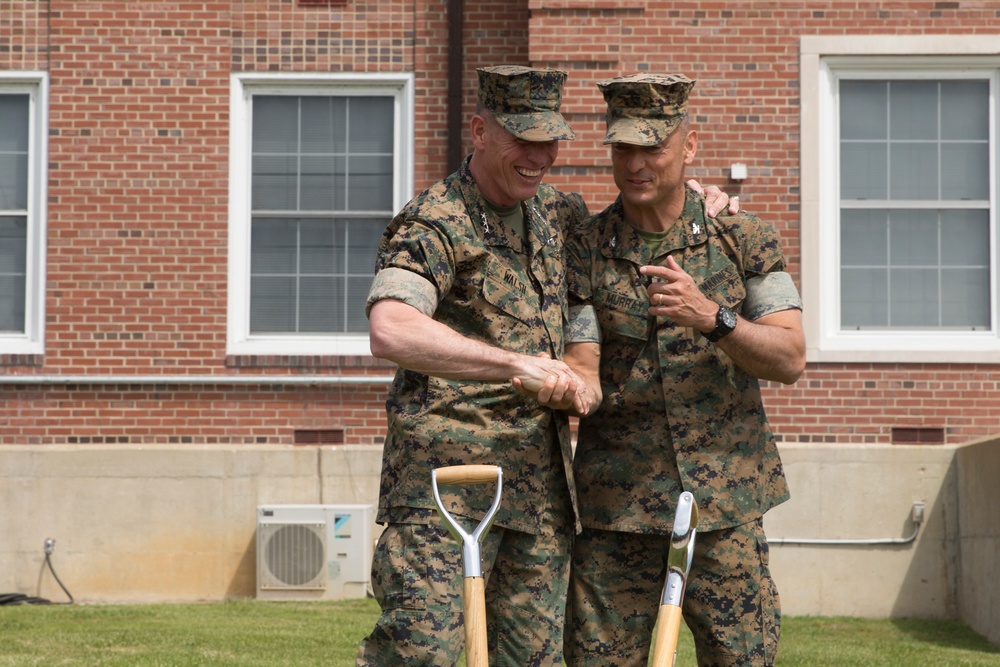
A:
x: 455, y: 66
x: 916, y: 516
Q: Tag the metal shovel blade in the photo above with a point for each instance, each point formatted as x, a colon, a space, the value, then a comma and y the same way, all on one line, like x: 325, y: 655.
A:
x: 679, y: 557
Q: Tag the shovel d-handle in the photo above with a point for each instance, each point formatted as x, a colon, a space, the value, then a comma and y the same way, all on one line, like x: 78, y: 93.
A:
x: 679, y: 557
x: 465, y: 475
x: 473, y: 587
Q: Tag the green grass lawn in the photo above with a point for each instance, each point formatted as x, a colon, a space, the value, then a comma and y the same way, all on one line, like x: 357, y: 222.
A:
x: 250, y: 633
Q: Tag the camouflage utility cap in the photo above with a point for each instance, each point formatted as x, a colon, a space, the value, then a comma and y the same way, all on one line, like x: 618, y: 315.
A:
x: 644, y: 109
x: 525, y: 101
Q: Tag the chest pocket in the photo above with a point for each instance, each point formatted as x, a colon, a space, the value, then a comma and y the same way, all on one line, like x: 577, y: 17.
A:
x: 622, y: 315
x: 505, y: 291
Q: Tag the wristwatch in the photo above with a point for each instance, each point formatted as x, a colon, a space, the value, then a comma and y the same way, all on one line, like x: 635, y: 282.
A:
x: 725, y: 322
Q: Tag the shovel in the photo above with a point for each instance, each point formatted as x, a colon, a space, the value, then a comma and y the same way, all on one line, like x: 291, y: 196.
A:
x: 473, y: 588
x: 668, y: 619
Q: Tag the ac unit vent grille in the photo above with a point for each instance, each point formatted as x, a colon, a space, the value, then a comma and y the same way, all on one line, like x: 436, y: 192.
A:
x: 294, y: 556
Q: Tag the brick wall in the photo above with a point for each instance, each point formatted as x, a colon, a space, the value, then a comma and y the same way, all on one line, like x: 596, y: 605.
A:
x: 138, y: 190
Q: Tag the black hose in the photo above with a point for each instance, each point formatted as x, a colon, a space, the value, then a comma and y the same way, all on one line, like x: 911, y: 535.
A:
x: 20, y: 598
x: 48, y: 561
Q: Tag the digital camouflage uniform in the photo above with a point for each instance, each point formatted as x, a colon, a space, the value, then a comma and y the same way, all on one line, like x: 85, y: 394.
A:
x: 492, y: 286
x: 677, y: 415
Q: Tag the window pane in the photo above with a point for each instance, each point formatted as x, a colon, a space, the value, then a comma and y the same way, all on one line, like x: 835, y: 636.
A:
x: 273, y: 247
x: 13, y: 181
x: 322, y: 253
x: 357, y: 293
x: 864, y: 237
x: 275, y: 126
x: 371, y: 184
x: 363, y: 238
x: 272, y: 304
x: 914, y: 171
x: 14, y: 245
x: 864, y: 298
x: 15, y: 113
x: 12, y: 293
x: 966, y: 298
x: 323, y: 183
x: 965, y: 171
x: 13, y: 276
x: 965, y: 238
x: 863, y: 171
x: 371, y: 125
x: 863, y: 108
x: 913, y: 238
x: 14, y: 129
x: 913, y: 298
x: 324, y: 124
x: 274, y: 185
x: 320, y: 297
x: 913, y: 110
x: 965, y: 108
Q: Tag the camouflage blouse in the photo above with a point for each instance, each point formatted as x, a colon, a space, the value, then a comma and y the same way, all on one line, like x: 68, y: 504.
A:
x: 494, y: 287
x: 677, y: 413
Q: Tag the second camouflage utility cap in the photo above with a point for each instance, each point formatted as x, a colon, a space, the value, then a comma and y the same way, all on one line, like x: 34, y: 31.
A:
x: 525, y: 101
x: 644, y: 109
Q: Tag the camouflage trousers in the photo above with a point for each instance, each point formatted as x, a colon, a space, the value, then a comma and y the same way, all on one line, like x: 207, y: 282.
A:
x: 731, y: 604
x: 417, y: 577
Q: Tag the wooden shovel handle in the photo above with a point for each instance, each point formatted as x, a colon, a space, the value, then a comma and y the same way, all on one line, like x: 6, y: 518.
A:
x: 668, y: 626
x: 467, y: 474
x: 474, y: 596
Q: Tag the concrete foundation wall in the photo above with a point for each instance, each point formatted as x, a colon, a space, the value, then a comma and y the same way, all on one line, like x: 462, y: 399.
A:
x: 158, y: 524
x: 978, y: 486
x: 178, y: 524
x: 866, y: 492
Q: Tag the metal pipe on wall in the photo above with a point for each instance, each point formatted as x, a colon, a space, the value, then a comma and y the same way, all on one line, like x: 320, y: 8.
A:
x: 916, y: 517
x: 455, y: 66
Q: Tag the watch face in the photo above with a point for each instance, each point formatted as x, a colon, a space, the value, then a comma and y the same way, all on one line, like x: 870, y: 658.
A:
x: 728, y: 317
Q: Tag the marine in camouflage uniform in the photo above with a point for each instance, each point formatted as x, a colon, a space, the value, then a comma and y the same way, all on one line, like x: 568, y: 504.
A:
x: 456, y: 257
x: 677, y: 414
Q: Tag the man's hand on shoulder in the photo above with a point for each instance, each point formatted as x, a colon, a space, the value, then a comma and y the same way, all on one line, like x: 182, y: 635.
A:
x: 715, y: 199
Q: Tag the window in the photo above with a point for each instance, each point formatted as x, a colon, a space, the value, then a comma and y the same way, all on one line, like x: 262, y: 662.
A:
x: 899, y: 229
x: 23, y: 128
x: 319, y: 167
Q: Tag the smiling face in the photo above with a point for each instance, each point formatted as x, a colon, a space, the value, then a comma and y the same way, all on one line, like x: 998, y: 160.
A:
x: 507, y: 169
x: 651, y: 178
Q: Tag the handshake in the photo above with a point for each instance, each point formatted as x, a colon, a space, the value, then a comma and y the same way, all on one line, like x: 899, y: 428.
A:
x: 556, y: 385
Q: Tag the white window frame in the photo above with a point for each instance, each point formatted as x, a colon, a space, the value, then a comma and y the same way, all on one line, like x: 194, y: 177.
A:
x: 239, y: 340
x: 36, y: 86
x: 822, y: 58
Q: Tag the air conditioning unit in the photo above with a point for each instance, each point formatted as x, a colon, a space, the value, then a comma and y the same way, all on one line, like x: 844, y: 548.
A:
x: 313, y: 552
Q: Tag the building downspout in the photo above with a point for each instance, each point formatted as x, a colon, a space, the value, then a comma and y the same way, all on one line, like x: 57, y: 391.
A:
x: 455, y: 65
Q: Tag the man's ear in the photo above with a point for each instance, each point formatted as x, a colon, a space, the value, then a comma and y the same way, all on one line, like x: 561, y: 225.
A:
x: 479, y: 129
x: 690, y: 146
